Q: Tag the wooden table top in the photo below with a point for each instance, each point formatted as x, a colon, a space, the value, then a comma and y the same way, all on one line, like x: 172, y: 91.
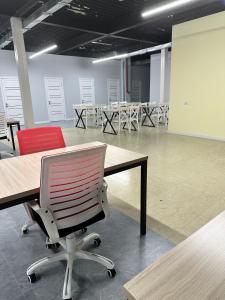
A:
x: 20, y: 176
x: 194, y: 270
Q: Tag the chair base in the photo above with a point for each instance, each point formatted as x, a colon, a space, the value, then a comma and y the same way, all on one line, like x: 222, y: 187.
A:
x: 72, y: 252
x: 27, y: 225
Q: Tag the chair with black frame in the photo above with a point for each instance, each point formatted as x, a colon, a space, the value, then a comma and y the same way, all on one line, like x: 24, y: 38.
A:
x: 73, y: 195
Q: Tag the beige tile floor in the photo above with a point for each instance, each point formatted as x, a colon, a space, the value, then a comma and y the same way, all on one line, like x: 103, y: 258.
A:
x: 186, y: 179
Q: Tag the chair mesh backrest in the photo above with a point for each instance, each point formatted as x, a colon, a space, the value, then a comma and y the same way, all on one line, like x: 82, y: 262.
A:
x: 40, y: 139
x: 3, y: 125
x: 71, y: 185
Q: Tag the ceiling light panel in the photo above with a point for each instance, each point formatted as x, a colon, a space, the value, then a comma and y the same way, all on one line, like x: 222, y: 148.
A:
x: 166, y: 7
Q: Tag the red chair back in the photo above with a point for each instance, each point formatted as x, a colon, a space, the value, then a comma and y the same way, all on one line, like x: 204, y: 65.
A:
x: 40, y: 139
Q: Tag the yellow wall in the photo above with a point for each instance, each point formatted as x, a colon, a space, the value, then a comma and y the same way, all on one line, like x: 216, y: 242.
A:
x: 198, y: 77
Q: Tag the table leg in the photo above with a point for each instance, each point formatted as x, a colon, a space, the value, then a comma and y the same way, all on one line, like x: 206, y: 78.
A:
x: 80, y: 119
x: 148, y: 115
x: 12, y: 137
x: 143, y: 208
x: 18, y: 126
x: 109, y: 121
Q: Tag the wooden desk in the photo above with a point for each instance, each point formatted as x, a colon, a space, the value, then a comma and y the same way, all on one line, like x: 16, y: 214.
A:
x: 20, y: 176
x: 194, y: 270
x: 10, y: 124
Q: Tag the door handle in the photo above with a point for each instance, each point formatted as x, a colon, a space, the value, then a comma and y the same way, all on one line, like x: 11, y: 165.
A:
x: 49, y: 102
x: 6, y: 105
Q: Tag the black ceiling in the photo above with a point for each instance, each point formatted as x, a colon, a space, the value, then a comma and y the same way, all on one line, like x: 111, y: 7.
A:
x: 97, y: 28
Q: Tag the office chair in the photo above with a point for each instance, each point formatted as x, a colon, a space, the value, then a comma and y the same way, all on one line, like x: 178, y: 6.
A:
x: 36, y: 140
x: 72, y: 196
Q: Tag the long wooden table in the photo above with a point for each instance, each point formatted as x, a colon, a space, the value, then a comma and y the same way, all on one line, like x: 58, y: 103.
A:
x: 194, y: 270
x: 20, y: 176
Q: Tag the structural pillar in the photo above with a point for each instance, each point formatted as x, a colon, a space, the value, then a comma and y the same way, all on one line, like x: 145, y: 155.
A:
x: 122, y: 92
x: 127, y: 79
x: 22, y: 68
x: 164, y: 54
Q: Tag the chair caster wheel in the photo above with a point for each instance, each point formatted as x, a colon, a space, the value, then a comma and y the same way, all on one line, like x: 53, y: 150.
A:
x: 25, y: 231
x: 84, y: 230
x: 111, y: 273
x: 97, y: 242
x: 32, y: 278
x: 53, y: 246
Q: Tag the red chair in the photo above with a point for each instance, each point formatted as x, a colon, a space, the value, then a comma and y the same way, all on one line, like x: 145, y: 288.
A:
x: 40, y: 139
x: 36, y: 140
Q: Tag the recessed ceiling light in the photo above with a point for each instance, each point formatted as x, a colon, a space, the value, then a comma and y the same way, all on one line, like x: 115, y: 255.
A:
x: 110, y: 58
x: 138, y: 52
x: 43, y: 51
x: 101, y: 43
x: 166, y: 7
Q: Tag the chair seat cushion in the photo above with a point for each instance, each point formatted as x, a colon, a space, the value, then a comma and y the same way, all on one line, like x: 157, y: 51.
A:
x: 66, y: 231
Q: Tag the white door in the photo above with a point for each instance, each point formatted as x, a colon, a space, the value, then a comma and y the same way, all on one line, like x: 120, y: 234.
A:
x: 113, y: 87
x: 87, y: 90
x: 55, y: 98
x: 12, y: 98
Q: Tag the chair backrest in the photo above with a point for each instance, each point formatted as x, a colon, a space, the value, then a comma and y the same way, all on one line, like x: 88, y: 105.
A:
x: 3, y: 125
x: 71, y: 185
x: 40, y: 139
x: 123, y: 103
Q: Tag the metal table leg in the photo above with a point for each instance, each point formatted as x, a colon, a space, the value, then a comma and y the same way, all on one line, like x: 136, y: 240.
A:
x: 80, y: 119
x: 148, y: 115
x: 143, y: 208
x: 12, y: 136
x: 109, y: 121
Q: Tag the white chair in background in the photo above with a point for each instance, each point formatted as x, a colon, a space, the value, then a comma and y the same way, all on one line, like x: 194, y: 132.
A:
x: 3, y: 127
x: 123, y: 103
x: 144, y: 105
x: 90, y: 114
x: 133, y: 111
x: 122, y: 117
x: 73, y: 195
x: 162, y: 114
x: 114, y: 104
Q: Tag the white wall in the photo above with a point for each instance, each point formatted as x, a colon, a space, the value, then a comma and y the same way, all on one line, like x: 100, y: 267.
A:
x: 70, y: 69
x: 155, y: 65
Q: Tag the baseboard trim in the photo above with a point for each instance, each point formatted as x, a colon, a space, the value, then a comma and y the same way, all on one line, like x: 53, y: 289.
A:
x: 197, y: 135
x: 47, y: 121
x: 42, y: 122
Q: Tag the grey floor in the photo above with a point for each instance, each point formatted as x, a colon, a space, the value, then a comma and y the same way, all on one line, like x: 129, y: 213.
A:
x: 120, y: 242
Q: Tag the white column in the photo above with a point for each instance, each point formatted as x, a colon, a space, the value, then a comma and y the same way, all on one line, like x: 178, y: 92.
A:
x: 127, y: 81
x: 22, y: 68
x: 122, y: 88
x: 150, y: 64
x: 164, y: 54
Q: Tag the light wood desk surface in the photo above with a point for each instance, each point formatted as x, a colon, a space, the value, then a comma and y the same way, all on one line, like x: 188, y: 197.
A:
x: 194, y: 270
x: 20, y: 176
